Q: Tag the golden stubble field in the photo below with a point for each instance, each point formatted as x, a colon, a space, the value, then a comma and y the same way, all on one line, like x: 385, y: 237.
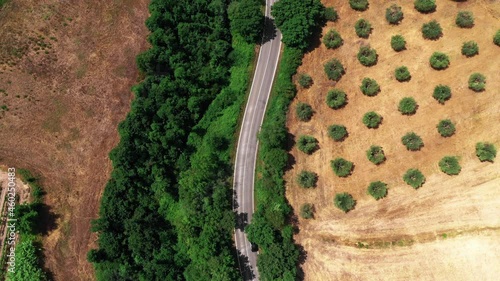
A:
x: 449, y: 229
x: 66, y: 68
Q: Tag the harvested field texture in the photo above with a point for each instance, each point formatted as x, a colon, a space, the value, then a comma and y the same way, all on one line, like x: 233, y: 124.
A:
x: 447, y: 229
x: 66, y: 68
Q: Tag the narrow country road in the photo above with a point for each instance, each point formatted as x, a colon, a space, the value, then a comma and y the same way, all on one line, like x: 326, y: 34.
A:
x: 246, y: 152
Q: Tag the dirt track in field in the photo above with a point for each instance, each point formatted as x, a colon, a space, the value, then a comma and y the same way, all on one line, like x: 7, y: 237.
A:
x: 407, y: 225
x: 66, y: 68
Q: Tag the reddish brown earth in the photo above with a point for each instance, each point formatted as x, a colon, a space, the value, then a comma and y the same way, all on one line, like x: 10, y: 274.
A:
x: 66, y: 68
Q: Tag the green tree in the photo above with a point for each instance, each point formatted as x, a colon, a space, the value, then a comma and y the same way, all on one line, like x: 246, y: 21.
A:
x: 449, y: 165
x: 305, y: 80
x: 369, y: 87
x: 334, y: 69
x: 307, y: 179
x: 464, y: 19
x: 375, y: 154
x: 307, y: 211
x: 337, y: 132
x: 367, y: 56
x: 402, y: 74
x: 297, y: 20
x: 304, y: 111
x: 407, y: 106
x: 372, y: 119
x: 412, y: 141
x: 496, y: 38
x: 246, y: 19
x: 331, y: 14
x: 377, y: 189
x: 442, y: 93
x: 363, y: 28
x: 446, y: 128
x: 344, y: 201
x: 332, y: 39
x: 28, y: 267
x: 359, y: 5
x: 439, y: 60
x: 414, y: 178
x: 398, y: 43
x: 425, y: 6
x: 307, y: 144
x: 477, y: 82
x: 486, y: 151
x: 432, y: 30
x: 336, y: 99
x: 342, y: 167
x: 394, y: 14
x: 470, y: 49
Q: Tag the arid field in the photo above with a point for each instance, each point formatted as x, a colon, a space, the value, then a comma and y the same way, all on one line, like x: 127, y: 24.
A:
x: 448, y: 229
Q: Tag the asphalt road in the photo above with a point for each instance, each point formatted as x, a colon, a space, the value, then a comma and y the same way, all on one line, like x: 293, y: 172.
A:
x: 246, y: 153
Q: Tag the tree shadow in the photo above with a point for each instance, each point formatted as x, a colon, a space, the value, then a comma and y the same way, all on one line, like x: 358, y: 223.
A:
x: 241, y: 221
x: 270, y: 30
x: 47, y: 219
x: 301, y: 260
x: 245, y: 267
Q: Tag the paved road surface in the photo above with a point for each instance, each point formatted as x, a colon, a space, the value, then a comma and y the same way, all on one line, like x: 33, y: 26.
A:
x: 244, y: 170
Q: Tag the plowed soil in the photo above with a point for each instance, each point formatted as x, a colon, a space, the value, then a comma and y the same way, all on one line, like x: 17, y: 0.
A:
x: 66, y: 68
x: 449, y: 229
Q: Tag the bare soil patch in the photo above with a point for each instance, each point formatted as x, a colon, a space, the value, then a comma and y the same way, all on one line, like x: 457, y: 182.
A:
x: 460, y: 206
x: 66, y: 68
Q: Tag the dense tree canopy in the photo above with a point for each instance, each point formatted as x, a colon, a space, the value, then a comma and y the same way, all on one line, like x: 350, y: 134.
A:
x: 246, y: 19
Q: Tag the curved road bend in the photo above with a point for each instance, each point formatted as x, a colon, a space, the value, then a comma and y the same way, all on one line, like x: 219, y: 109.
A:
x: 246, y: 152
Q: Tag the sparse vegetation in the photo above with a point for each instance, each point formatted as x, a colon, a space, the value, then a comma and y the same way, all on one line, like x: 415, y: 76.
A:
x: 464, y: 19
x: 425, y: 6
x: 398, y: 43
x: 369, y: 87
x: 363, y: 28
x: 449, y: 165
x: 359, y: 5
x: 432, y: 30
x: 372, y: 119
x: 496, y: 38
x: 412, y: 141
x: 332, y: 39
x: 407, y: 106
x: 414, y: 178
x: 375, y: 154
x: 446, y: 128
x: 470, y: 49
x: 344, y: 201
x: 305, y: 80
x: 307, y: 179
x: 377, y: 189
x: 439, y: 60
x: 334, y: 69
x: 307, y: 144
x: 341, y: 167
x: 442, y: 93
x: 336, y: 99
x: 402, y: 74
x: 307, y: 211
x: 367, y: 56
x: 394, y: 14
x: 337, y: 132
x: 486, y: 151
x: 331, y: 14
x: 304, y: 111
x: 477, y: 82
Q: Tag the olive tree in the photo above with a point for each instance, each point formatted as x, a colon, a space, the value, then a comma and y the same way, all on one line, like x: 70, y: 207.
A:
x: 464, y: 19
x: 486, y: 151
x: 337, y: 132
x: 407, y: 106
x: 307, y: 144
x: 442, y: 93
x: 425, y: 6
x: 414, y: 178
x: 336, y: 99
x: 439, y: 60
x: 359, y: 5
x: 432, y: 30
x: 375, y: 154
x: 449, y: 165
x: 477, y: 82
x: 377, y: 189
x: 369, y: 87
x: 372, y: 120
x: 341, y: 167
x: 332, y: 39
x: 412, y: 141
x: 470, y: 49
x: 402, y: 74
x: 446, y: 128
x: 363, y: 28
x: 307, y: 179
x: 367, y: 56
x: 303, y: 111
x: 307, y: 211
x: 344, y: 201
x: 394, y: 14
x: 334, y: 69
x: 398, y: 43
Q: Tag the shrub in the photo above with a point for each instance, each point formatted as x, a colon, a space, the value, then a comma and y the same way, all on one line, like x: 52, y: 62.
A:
x: 331, y: 14
x: 398, y: 43
x: 341, y: 167
x: 402, y: 74
x: 334, y: 69
x: 432, y: 30
x: 470, y: 49
x: 446, y: 128
x: 439, y: 60
x: 449, y: 165
x: 363, y: 28
x: 496, y: 38
x: 332, y: 39
x: 307, y: 144
x: 367, y: 56
x: 486, y: 151
x: 337, y: 132
x: 414, y: 178
x: 442, y: 93
x: 359, y: 5
x: 477, y: 82
x: 375, y: 154
x: 464, y: 19
x: 305, y: 80
x: 307, y: 211
x: 425, y: 6
x: 394, y: 14
x: 377, y: 189
x: 369, y: 87
x: 372, y: 119
x: 304, y: 111
x: 407, y: 106
x: 412, y: 141
x: 307, y: 179
x: 344, y: 201
x: 336, y: 99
